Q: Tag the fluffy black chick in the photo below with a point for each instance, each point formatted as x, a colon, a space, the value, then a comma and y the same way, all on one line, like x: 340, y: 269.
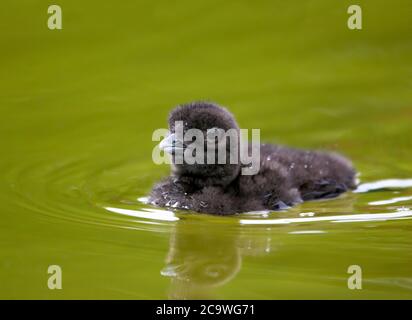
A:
x: 286, y: 176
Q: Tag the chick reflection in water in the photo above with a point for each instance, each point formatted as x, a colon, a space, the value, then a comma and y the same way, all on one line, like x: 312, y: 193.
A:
x: 200, y: 259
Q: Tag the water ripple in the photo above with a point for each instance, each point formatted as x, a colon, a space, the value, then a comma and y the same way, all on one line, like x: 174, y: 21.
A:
x: 384, y: 184
x: 111, y: 195
x: 341, y: 218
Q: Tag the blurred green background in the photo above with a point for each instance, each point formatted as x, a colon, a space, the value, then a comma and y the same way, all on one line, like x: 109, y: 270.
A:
x: 79, y: 105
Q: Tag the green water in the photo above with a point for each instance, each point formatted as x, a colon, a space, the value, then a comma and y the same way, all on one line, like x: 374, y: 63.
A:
x: 79, y: 105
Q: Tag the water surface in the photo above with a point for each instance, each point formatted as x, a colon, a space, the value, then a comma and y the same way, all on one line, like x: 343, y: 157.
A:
x: 78, y: 108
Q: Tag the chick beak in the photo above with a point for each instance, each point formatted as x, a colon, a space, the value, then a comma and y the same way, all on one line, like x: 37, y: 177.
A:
x: 170, y: 144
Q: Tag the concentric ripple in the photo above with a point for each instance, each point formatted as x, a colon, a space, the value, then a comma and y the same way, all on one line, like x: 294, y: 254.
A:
x: 78, y: 191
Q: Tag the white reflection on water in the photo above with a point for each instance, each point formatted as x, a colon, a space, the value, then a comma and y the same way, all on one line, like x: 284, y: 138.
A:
x: 341, y: 218
x: 401, y: 213
x: 384, y: 184
x: 307, y: 232
x: 154, y: 214
x: 144, y: 200
x: 390, y: 201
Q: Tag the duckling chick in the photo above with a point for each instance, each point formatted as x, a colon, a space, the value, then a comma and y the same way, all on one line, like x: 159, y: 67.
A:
x: 286, y: 177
